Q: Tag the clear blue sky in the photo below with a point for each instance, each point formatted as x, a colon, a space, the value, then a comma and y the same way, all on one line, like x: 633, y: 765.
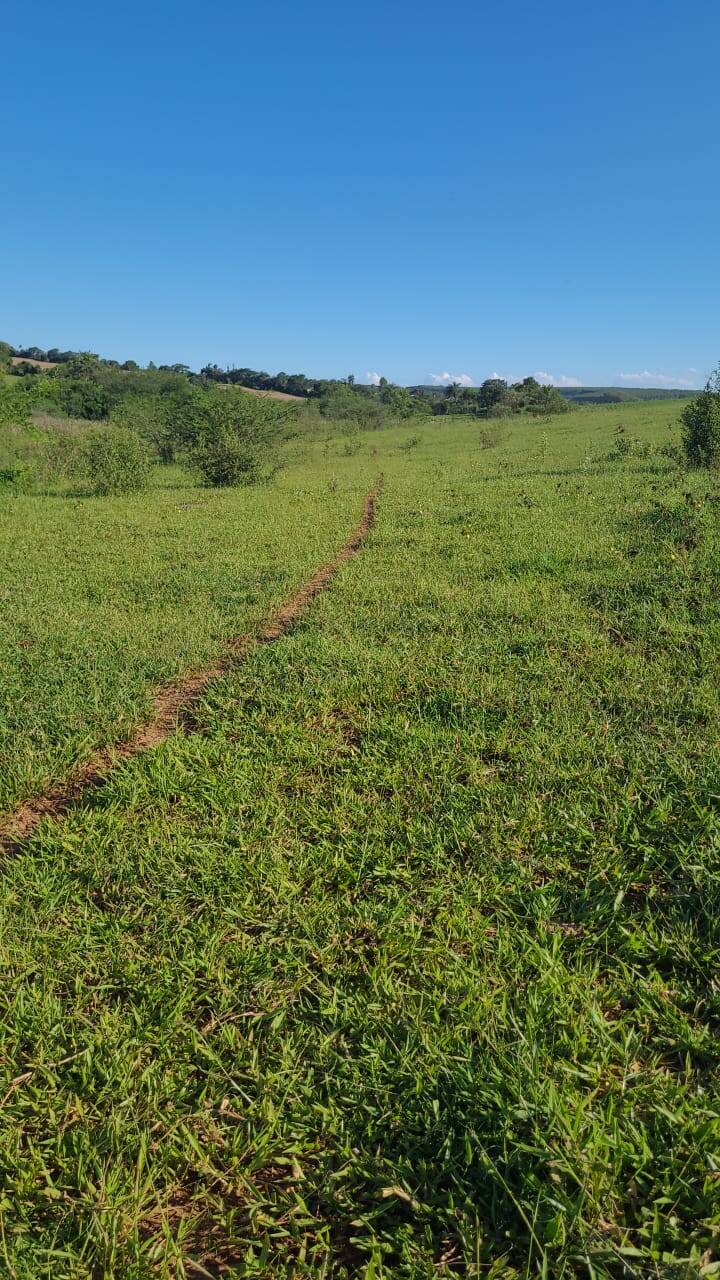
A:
x: 405, y: 188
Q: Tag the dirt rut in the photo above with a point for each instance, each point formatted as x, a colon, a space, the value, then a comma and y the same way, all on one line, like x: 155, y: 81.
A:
x: 174, y: 702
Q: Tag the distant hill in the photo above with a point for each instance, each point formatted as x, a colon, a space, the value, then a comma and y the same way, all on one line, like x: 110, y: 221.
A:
x: 616, y: 395
x: 589, y: 395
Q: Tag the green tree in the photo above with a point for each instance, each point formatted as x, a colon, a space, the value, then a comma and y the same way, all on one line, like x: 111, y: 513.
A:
x: 549, y: 400
x: 397, y: 400
x: 346, y: 404
x: 71, y: 397
x: 701, y: 425
x: 491, y: 393
x: 83, y: 365
x: 531, y: 396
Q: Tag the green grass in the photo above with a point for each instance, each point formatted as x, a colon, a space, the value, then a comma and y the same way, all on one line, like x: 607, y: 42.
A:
x: 405, y: 963
x: 101, y: 600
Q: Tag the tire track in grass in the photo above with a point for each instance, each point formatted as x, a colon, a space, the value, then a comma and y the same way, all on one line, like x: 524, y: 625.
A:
x: 174, y: 702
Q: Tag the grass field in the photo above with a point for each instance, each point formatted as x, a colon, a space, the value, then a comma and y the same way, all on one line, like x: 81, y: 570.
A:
x: 404, y: 962
x: 103, y: 599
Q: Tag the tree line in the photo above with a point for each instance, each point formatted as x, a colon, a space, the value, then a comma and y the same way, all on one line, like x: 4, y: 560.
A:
x: 494, y: 398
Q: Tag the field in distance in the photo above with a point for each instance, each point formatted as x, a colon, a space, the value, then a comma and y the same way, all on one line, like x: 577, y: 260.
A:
x: 592, y: 395
x: 400, y: 960
x: 273, y: 395
x: 36, y: 364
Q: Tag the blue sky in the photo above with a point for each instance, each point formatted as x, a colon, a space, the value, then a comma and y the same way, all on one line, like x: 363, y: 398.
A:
x: 415, y: 190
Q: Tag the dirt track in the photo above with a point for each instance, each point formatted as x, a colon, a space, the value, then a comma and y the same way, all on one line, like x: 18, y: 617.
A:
x: 174, y: 702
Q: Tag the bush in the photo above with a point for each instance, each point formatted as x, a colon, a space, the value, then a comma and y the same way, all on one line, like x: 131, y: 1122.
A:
x: 19, y: 477
x: 74, y: 397
x: 628, y: 446
x: 223, y: 460
x: 343, y: 404
x: 540, y: 400
x: 701, y: 426
x: 14, y: 407
x: 397, y: 401
x: 490, y: 437
x: 116, y: 461
x: 64, y: 455
x: 152, y: 418
x: 229, y: 436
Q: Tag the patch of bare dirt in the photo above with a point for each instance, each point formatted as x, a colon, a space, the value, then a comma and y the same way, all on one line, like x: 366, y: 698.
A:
x: 38, y: 364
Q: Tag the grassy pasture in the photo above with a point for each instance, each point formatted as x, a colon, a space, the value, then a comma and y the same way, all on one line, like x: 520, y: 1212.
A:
x: 404, y: 964
x: 102, y: 599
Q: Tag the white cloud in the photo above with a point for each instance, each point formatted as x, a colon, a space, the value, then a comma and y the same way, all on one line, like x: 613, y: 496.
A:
x: 648, y: 379
x: 550, y: 380
x: 373, y: 379
x: 445, y: 379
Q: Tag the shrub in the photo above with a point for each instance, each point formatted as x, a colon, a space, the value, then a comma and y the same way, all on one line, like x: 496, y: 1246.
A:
x: 344, y: 404
x: 14, y: 407
x: 397, y: 401
x: 628, y: 446
x: 530, y: 396
x: 19, y: 477
x: 701, y: 425
x: 230, y: 436
x: 64, y: 455
x: 490, y: 437
x: 116, y: 461
x: 74, y: 397
x: 223, y: 459
x: 151, y: 418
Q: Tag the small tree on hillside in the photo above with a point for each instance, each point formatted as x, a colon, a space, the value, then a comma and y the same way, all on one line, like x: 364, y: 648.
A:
x: 701, y: 425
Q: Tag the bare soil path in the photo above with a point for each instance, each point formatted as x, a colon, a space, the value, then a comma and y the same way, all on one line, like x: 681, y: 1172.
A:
x: 174, y: 702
